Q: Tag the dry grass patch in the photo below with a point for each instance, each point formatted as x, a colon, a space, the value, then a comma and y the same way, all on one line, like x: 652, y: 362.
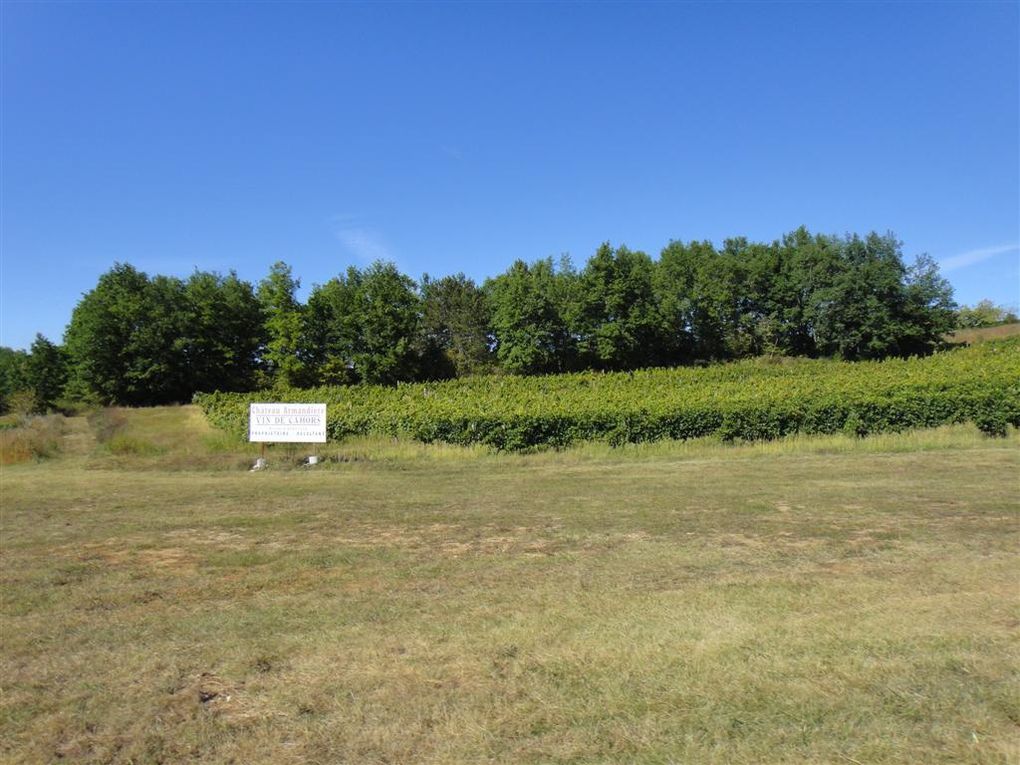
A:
x: 31, y: 438
x: 984, y: 334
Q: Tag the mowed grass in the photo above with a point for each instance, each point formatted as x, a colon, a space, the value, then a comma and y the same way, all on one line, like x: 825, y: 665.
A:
x: 815, y: 601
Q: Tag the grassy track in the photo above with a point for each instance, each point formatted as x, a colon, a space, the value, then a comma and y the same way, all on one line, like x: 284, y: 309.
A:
x: 727, y: 605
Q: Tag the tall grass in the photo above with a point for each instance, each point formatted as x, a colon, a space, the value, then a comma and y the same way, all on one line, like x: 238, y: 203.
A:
x: 179, y: 438
x: 984, y: 334
x: 33, y: 438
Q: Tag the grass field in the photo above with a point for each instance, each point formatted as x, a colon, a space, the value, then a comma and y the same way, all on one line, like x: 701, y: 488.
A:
x: 817, y: 600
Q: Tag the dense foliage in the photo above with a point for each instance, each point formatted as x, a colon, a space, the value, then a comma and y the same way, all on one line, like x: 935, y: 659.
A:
x: 136, y: 339
x: 45, y: 373
x: 755, y: 399
x: 984, y: 313
x: 364, y: 326
x: 13, y: 376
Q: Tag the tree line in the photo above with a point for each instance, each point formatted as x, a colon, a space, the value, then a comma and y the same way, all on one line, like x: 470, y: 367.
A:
x: 137, y: 340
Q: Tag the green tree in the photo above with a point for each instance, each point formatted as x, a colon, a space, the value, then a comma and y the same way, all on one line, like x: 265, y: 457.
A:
x: 46, y: 372
x: 388, y: 319
x: 160, y: 343
x: 695, y: 288
x: 334, y: 329
x: 984, y: 314
x: 857, y: 311
x: 529, y: 307
x: 875, y: 306
x: 363, y: 326
x: 674, y: 282
x: 13, y: 374
x: 284, y: 353
x: 225, y: 332
x: 616, y: 319
x: 808, y: 265
x: 100, y: 331
x: 126, y: 338
x: 928, y: 308
x: 782, y: 280
x: 455, y: 326
x: 741, y: 291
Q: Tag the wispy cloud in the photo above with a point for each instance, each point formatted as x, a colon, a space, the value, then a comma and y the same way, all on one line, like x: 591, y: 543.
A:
x: 364, y: 244
x: 361, y: 242
x: 452, y: 152
x: 969, y: 258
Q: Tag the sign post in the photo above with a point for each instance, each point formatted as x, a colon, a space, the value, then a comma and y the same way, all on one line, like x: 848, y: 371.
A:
x: 286, y: 423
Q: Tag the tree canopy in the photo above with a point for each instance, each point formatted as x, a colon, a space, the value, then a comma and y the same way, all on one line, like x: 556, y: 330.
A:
x: 135, y: 339
x: 138, y: 340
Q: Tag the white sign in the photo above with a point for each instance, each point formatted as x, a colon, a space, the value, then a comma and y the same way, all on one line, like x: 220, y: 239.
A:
x: 287, y: 423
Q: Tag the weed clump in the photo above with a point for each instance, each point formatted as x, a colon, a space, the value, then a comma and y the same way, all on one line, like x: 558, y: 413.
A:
x: 32, y: 438
x: 992, y: 422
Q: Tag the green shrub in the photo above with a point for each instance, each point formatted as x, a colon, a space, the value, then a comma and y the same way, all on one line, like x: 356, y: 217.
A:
x: 22, y: 403
x: 746, y: 400
x: 992, y: 422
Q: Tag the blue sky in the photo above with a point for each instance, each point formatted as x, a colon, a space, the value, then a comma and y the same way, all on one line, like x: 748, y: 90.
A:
x: 460, y: 137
